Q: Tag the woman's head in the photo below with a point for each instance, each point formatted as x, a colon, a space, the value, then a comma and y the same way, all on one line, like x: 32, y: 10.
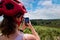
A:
x: 12, y: 18
x: 9, y: 24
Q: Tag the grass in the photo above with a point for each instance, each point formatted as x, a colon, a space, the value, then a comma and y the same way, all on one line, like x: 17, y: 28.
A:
x: 46, y: 33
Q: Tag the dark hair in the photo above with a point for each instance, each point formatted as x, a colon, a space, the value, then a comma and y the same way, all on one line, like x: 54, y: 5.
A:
x: 8, y: 26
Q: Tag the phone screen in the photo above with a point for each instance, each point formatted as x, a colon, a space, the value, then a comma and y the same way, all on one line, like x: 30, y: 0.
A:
x: 26, y: 20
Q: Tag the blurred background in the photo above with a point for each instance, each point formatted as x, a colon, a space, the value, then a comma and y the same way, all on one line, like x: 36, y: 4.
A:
x: 45, y: 17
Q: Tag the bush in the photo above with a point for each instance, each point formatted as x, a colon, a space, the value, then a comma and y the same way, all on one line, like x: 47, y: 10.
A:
x: 46, y: 33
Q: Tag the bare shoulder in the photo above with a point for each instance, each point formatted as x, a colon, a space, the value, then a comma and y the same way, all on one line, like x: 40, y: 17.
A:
x: 29, y: 37
x: 1, y: 37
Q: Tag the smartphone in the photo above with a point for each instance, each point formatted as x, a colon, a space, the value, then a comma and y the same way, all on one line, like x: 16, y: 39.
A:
x: 26, y: 20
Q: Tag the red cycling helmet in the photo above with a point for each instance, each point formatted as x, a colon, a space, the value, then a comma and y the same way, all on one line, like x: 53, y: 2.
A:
x: 11, y: 8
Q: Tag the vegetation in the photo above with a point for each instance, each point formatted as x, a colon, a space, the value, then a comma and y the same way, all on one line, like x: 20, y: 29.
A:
x: 46, y: 29
x: 50, y: 23
x: 46, y: 33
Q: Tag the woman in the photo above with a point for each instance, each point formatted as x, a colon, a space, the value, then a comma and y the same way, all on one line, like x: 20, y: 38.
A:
x: 9, y: 28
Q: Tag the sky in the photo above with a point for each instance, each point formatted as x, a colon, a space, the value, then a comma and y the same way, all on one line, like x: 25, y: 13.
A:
x: 42, y: 9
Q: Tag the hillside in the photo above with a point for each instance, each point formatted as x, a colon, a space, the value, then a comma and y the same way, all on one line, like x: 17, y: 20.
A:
x: 49, y: 22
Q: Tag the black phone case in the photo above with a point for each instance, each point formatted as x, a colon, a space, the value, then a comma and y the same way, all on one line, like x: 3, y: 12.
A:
x: 26, y: 20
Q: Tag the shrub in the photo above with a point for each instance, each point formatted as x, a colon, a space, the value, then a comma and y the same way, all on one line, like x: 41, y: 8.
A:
x: 46, y: 33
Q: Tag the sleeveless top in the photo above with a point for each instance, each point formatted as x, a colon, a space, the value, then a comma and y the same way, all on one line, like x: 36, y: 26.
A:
x: 19, y: 37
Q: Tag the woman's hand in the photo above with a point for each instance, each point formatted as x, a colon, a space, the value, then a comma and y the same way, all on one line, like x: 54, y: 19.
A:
x: 29, y: 25
x: 23, y: 26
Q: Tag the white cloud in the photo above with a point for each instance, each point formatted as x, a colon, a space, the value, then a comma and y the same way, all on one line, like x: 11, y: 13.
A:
x: 49, y: 10
x: 47, y: 3
x: 45, y: 14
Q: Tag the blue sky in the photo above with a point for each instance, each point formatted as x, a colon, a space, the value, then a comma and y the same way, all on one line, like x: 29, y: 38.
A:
x: 56, y: 1
x: 42, y: 9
